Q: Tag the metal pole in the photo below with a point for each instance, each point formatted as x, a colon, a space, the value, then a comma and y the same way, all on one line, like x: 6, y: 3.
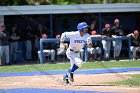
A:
x: 86, y: 53
x: 129, y: 45
x: 100, y: 23
x: 51, y: 25
x: 41, y: 52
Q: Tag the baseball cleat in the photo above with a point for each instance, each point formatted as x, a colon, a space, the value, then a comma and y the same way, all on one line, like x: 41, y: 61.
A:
x: 71, y: 79
x: 66, y: 81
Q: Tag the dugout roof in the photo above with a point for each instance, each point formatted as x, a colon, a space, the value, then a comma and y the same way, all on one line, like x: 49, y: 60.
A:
x: 67, y: 9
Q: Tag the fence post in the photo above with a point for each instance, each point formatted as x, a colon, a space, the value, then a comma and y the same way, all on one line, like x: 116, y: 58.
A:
x: 41, y: 52
x: 129, y: 45
x: 51, y: 25
x: 86, y: 53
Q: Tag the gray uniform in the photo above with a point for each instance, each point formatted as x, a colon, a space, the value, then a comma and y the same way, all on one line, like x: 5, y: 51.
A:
x: 4, y: 45
x: 106, y: 43
x: 135, y: 45
x: 117, y: 32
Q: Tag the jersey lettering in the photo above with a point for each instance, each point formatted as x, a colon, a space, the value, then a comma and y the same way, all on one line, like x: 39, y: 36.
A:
x: 79, y: 41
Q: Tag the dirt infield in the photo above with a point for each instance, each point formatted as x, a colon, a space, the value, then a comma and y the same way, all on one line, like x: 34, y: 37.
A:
x: 93, y: 82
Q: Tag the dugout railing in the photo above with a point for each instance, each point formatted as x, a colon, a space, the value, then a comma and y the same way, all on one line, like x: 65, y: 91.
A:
x: 47, y: 40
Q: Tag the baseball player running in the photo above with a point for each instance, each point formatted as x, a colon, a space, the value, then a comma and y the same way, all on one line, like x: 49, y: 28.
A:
x: 77, y: 42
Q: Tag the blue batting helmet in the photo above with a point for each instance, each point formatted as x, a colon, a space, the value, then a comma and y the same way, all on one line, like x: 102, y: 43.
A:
x: 81, y: 25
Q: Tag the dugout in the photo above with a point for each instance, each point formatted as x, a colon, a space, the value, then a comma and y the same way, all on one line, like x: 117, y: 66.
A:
x: 58, y: 19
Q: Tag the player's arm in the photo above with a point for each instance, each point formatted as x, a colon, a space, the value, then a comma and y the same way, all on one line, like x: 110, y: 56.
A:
x: 63, y: 36
x: 129, y: 35
x: 95, y: 35
x: 67, y: 35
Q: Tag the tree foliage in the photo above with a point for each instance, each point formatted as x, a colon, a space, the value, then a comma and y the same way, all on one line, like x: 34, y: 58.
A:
x: 60, y: 2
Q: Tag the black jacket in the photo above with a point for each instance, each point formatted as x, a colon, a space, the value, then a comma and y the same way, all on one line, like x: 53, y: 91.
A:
x: 4, y: 37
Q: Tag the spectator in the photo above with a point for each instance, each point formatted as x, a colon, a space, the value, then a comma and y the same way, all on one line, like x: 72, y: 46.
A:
x: 49, y: 49
x: 117, y: 32
x: 135, y: 43
x: 96, y: 46
x: 28, y: 44
x: 4, y: 44
x: 35, y: 41
x: 14, y: 37
x: 92, y: 26
x: 106, y: 33
x: 38, y: 35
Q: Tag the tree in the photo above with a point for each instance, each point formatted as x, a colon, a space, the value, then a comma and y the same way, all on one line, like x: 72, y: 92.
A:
x: 13, y: 2
x: 61, y: 2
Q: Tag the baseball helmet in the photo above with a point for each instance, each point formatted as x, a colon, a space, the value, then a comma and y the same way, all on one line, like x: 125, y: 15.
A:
x: 81, y: 25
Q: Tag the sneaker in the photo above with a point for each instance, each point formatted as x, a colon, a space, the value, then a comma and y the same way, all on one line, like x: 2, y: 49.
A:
x: 71, y: 77
x: 117, y: 58
x: 15, y: 62
x: 134, y: 58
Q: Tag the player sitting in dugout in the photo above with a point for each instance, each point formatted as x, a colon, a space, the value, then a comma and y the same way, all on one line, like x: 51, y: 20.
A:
x: 93, y: 49
x: 48, y: 49
x: 135, y: 43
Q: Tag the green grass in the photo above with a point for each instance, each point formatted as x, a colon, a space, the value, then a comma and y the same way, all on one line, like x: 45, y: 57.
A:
x: 89, y: 65
x: 134, y: 81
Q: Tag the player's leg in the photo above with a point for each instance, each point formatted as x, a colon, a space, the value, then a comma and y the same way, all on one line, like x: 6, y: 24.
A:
x: 1, y: 52
x: 119, y: 49
x: 91, y: 51
x: 82, y: 54
x: 133, y: 50
x: 11, y: 51
x: 98, y: 53
x: 52, y: 55
x: 72, y: 69
x: 6, y: 51
x: 15, y: 51
x: 104, y: 43
x: 27, y: 49
x: 76, y: 62
x: 116, y: 49
x: 137, y: 50
x: 30, y: 50
x: 108, y: 49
